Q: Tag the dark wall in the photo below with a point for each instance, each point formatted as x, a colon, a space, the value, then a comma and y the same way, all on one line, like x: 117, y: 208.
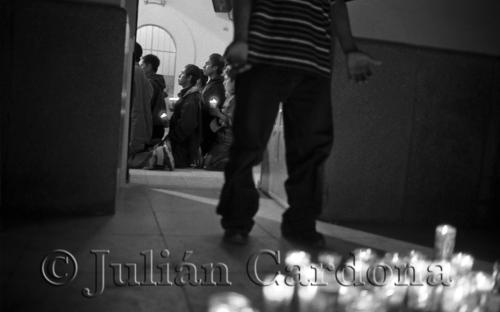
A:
x: 61, y: 125
x: 458, y: 25
x: 417, y: 144
x: 5, y: 83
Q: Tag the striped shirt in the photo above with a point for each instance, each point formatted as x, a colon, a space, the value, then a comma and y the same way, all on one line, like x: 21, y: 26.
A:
x: 291, y: 33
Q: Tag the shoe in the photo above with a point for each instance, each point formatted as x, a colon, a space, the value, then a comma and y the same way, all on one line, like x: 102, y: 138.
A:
x: 311, y: 239
x: 235, y: 237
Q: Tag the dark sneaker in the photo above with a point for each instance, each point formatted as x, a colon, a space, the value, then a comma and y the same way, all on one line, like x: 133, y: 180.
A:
x: 311, y: 239
x: 235, y: 237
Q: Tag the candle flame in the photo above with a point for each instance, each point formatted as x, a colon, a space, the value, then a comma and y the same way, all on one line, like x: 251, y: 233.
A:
x: 300, y: 258
x: 277, y: 291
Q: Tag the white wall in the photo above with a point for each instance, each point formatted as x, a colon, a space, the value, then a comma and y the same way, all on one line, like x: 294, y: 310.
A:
x: 462, y: 25
x: 196, y: 29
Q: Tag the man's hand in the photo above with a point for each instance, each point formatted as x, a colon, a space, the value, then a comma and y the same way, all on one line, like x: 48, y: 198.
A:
x: 214, y: 111
x: 236, y: 55
x: 359, y: 66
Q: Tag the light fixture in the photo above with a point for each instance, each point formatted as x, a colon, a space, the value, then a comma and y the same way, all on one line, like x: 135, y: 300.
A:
x: 160, y: 2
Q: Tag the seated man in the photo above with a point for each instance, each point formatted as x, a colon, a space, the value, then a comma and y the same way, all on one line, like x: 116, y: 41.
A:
x: 150, y: 64
x: 185, y: 123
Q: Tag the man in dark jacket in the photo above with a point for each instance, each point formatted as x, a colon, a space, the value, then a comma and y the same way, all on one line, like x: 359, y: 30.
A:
x: 213, y: 94
x: 140, y: 113
x: 185, y: 124
x: 150, y: 64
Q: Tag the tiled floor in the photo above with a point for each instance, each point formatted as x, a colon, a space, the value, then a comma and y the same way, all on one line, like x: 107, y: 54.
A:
x: 174, y: 212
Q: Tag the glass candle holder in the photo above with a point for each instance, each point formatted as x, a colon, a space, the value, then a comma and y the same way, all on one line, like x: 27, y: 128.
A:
x: 496, y: 277
x: 277, y: 294
x: 329, y: 258
x: 461, y: 264
x: 359, y: 265
x: 329, y: 262
x: 416, y: 273
x: 483, y: 282
x: 347, y: 294
x: 295, y: 260
x: 415, y: 255
x: 307, y: 289
x: 366, y: 301
x: 440, y: 273
x: 392, y: 258
x: 457, y: 295
x: 392, y: 293
x: 229, y: 301
x: 364, y: 254
x: 354, y: 273
x: 444, y: 241
x: 420, y: 297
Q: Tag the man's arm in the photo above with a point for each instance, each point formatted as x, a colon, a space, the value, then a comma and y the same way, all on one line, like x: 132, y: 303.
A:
x: 241, y: 19
x: 237, y: 52
x: 358, y: 63
x: 342, y: 26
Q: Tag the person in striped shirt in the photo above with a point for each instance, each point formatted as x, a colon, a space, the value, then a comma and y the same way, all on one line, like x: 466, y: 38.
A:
x: 282, y: 53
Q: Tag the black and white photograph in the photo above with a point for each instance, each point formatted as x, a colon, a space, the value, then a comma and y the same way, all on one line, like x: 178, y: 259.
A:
x: 250, y: 156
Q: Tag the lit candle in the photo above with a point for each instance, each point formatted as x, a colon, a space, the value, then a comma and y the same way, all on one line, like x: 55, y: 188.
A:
x: 417, y: 272
x: 213, y: 102
x: 364, y: 254
x: 496, y: 277
x: 440, y: 273
x: 398, y: 265
x: 361, y: 261
x: 329, y: 263
x: 365, y: 302
x: 462, y: 263
x: 355, y: 273
x: 483, y: 282
x: 455, y: 295
x: 392, y: 258
x: 392, y: 292
x: 329, y: 258
x: 419, y: 297
x: 295, y: 260
x: 229, y: 302
x: 347, y: 294
x: 444, y: 242
x: 416, y: 256
x: 277, y: 295
x: 307, y: 289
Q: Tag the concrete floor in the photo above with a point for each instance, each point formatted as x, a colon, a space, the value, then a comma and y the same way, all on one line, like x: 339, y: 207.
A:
x: 160, y: 210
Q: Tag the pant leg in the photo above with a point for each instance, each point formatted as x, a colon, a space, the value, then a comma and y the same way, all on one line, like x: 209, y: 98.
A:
x: 258, y: 93
x: 308, y: 127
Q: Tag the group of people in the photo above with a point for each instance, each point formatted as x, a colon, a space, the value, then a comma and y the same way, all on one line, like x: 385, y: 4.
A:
x: 199, y: 127
x: 281, y: 53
